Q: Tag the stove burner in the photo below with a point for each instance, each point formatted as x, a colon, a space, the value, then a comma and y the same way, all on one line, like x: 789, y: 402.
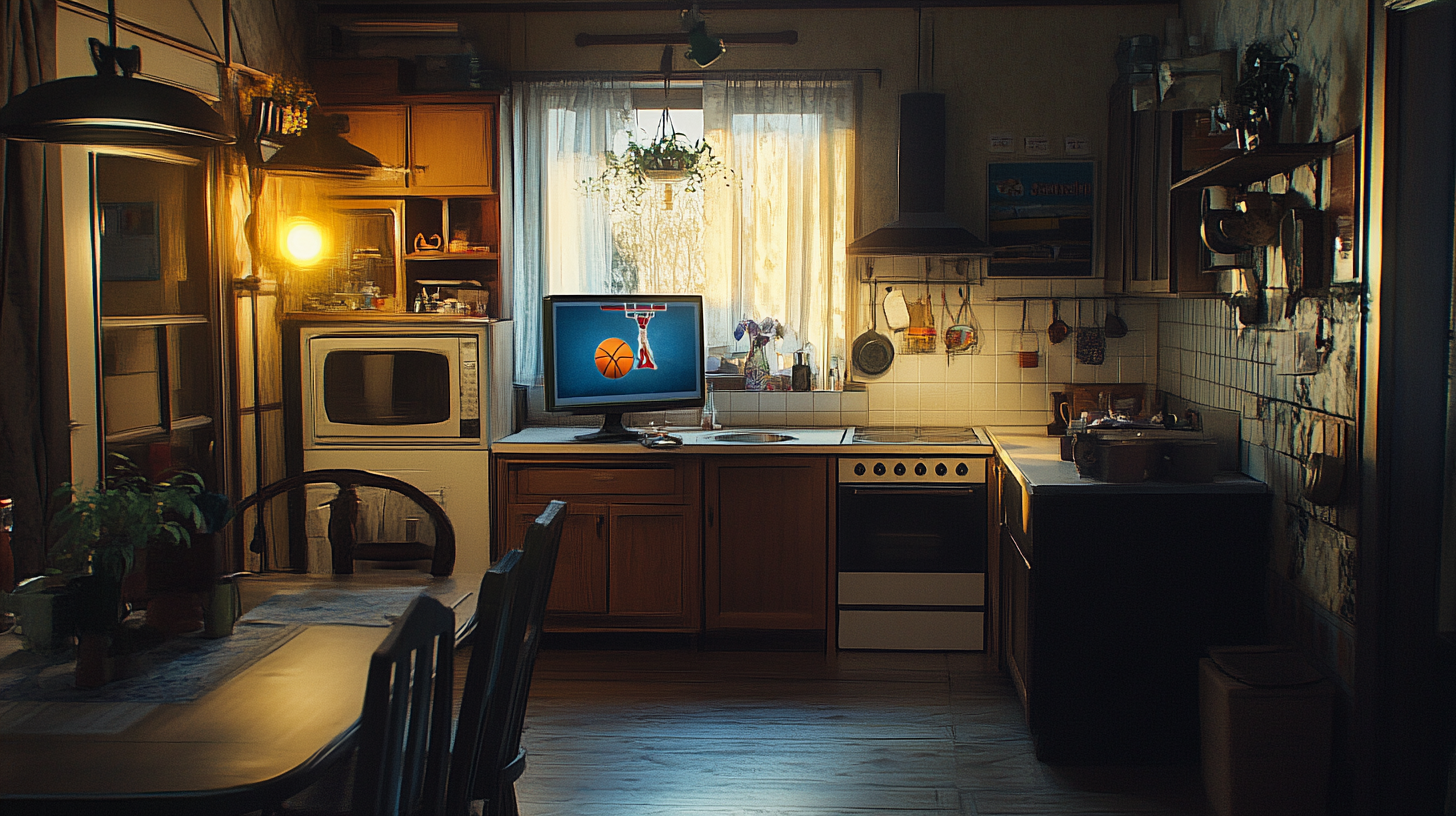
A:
x: 917, y: 436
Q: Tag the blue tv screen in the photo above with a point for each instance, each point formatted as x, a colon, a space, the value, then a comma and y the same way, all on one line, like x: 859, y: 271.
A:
x: 619, y: 353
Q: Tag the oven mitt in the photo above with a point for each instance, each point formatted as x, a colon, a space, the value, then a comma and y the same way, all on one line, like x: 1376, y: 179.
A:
x: 1091, y: 345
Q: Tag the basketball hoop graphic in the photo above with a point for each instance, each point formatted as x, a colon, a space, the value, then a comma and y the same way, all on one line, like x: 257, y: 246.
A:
x: 642, y: 313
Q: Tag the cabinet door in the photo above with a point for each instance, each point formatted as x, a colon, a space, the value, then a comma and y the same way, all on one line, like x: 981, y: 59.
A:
x: 649, y: 571
x: 380, y: 129
x: 767, y: 542
x: 1016, y: 614
x: 450, y: 146
x: 580, y: 582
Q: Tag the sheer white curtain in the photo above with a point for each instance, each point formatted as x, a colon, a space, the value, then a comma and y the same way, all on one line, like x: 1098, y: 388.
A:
x: 772, y: 234
x: 561, y: 238
x: 777, y: 243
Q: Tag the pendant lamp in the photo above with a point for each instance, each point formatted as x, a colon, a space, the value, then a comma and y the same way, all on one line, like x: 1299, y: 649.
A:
x: 108, y: 109
x: 321, y: 152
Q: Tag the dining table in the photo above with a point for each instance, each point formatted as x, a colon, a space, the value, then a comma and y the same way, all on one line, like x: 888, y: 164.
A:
x: 202, y: 725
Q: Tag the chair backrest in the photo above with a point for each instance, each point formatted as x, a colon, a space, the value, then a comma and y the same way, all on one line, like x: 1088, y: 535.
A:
x: 344, y: 518
x: 404, y: 730
x: 487, y: 756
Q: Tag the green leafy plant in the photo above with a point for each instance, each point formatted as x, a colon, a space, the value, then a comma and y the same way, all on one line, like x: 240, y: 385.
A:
x: 108, y: 523
x: 670, y: 157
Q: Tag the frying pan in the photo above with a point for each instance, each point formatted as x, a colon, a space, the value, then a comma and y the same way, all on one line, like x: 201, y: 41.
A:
x: 1058, y: 330
x: 1115, y: 326
x: 872, y: 352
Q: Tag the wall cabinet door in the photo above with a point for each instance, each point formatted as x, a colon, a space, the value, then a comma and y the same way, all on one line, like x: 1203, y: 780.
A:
x: 384, y: 131
x: 1150, y: 232
x: 426, y: 149
x: 767, y: 545
x: 450, y: 146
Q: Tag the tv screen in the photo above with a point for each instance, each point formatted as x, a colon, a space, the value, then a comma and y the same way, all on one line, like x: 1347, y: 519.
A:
x: 614, y: 354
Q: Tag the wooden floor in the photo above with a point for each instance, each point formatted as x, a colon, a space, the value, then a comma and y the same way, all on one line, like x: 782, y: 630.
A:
x: 689, y: 732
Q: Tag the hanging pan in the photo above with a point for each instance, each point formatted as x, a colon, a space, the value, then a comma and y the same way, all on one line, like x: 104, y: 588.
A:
x: 872, y: 352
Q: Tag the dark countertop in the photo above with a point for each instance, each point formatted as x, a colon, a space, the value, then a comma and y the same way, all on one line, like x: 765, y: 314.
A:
x: 1036, y: 461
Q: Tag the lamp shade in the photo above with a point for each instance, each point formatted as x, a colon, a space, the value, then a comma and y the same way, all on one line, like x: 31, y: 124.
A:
x: 112, y: 110
x: 321, y: 151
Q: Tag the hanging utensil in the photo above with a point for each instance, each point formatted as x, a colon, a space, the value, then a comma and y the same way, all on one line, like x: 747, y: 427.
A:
x: 1114, y: 326
x: 1058, y: 330
x: 872, y: 352
x: 1028, y: 353
x: 959, y: 336
x: 1091, y: 343
x: 897, y: 314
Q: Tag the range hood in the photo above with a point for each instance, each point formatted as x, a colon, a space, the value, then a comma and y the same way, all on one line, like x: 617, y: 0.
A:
x: 922, y: 228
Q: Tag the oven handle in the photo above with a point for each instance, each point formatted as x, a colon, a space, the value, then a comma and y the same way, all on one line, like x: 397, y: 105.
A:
x: 915, y: 491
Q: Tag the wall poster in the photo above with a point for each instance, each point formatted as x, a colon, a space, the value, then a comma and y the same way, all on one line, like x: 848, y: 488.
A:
x: 1040, y: 218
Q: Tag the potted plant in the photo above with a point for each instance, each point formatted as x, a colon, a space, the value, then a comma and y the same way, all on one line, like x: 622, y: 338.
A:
x: 100, y: 532
x: 669, y: 158
x: 1263, y: 93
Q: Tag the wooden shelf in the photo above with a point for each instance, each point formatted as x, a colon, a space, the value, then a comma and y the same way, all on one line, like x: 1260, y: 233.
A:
x: 1256, y: 165
x: 451, y: 256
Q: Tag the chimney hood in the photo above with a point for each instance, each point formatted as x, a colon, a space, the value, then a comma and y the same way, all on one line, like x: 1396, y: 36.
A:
x: 922, y: 228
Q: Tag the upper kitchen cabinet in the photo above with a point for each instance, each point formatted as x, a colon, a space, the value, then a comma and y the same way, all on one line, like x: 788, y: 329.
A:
x: 432, y: 145
x: 1150, y: 230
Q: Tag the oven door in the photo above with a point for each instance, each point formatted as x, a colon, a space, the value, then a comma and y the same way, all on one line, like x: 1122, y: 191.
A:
x: 912, y: 528
x: 372, y: 389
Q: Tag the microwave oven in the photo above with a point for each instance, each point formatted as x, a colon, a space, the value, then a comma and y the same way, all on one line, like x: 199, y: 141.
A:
x: 405, y: 383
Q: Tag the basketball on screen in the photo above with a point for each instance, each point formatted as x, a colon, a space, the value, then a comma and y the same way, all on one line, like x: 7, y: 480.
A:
x: 614, y: 358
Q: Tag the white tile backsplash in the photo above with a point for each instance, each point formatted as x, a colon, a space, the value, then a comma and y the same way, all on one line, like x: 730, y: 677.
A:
x: 989, y: 387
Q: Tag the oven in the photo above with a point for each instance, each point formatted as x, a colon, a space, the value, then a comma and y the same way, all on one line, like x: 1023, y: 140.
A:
x: 911, y: 550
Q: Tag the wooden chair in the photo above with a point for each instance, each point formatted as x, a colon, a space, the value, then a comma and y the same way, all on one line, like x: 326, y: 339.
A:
x: 404, y: 731
x: 344, y: 519
x: 488, y: 757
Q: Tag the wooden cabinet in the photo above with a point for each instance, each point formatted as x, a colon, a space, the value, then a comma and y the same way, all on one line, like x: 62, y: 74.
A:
x: 1150, y: 233
x: 629, y: 555
x: 1109, y: 599
x: 766, y: 542
x: 431, y: 148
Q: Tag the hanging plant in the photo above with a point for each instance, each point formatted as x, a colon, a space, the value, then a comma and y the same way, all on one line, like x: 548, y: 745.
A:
x: 1265, y: 89
x: 289, y: 100
x: 669, y: 158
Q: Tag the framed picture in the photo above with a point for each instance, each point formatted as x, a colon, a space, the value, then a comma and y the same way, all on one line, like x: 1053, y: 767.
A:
x: 130, y: 247
x: 1040, y: 218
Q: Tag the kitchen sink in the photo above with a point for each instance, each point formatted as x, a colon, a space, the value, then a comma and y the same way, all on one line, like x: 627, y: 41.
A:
x: 752, y: 437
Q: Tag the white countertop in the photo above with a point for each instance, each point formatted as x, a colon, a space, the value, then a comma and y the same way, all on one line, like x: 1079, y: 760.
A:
x: 562, y: 439
x: 1037, y: 463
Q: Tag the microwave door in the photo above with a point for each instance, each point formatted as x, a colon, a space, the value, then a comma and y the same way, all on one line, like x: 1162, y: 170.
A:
x: 379, y: 389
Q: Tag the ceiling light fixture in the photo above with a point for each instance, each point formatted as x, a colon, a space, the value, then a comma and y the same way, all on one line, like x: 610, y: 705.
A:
x: 702, y: 49
x: 321, y: 152
x: 107, y: 109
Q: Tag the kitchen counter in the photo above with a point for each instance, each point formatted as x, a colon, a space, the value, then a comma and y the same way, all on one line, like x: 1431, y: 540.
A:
x: 562, y: 440
x: 1036, y: 461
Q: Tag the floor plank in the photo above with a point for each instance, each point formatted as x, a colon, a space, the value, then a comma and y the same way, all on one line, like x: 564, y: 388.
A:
x: 611, y: 733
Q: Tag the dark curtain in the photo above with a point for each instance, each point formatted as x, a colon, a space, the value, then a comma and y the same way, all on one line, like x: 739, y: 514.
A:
x: 34, y: 440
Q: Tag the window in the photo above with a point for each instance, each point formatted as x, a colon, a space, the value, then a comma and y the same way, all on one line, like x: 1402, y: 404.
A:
x: 764, y: 239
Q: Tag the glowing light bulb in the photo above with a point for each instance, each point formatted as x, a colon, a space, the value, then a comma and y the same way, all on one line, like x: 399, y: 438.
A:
x: 303, y: 241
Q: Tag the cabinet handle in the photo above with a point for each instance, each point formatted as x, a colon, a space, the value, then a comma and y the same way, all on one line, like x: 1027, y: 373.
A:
x: 600, y: 521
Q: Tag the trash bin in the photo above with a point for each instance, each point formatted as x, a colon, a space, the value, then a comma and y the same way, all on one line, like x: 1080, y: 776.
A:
x: 1265, y: 716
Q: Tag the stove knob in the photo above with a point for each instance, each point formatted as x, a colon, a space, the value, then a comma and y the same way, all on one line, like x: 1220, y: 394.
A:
x: 962, y: 470
x: 859, y: 469
x: 900, y: 469
x: 879, y: 468
x: 920, y: 469
x: 940, y: 469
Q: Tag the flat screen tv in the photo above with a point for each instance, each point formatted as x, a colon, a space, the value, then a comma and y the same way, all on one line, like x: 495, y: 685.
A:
x: 616, y: 354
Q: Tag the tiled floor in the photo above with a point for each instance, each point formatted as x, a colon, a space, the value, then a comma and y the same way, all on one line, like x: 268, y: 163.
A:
x: 683, y: 732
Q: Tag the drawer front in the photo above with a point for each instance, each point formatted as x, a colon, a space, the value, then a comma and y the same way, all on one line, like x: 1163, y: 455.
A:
x: 560, y: 482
